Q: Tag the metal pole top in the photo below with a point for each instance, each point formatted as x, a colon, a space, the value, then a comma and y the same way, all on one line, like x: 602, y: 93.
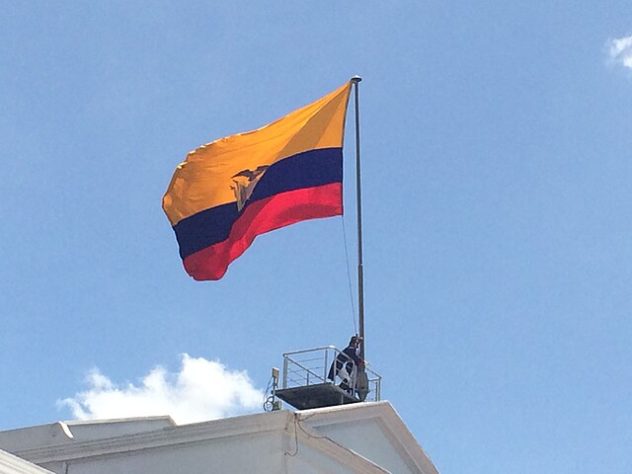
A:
x: 356, y: 79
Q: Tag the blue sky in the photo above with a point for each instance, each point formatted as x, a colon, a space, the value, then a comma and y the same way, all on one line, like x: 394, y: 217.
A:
x: 496, y: 144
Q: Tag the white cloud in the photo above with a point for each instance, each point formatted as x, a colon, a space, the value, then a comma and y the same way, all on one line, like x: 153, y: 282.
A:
x: 201, y: 390
x: 620, y: 51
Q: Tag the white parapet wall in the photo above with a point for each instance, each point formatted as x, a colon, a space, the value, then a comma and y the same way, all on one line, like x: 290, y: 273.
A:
x: 361, y: 438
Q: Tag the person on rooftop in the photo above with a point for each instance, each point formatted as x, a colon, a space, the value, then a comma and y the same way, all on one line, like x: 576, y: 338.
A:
x: 346, y: 365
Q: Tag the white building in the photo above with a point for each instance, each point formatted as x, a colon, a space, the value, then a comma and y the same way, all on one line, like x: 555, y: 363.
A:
x: 11, y: 464
x: 359, y: 438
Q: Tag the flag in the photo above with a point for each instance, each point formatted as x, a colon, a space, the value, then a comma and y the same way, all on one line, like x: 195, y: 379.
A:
x: 230, y: 190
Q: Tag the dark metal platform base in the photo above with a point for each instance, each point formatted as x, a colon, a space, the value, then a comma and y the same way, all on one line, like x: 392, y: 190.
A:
x: 315, y: 396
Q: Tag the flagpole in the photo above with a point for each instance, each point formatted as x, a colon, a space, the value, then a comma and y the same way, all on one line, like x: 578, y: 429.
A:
x: 355, y: 80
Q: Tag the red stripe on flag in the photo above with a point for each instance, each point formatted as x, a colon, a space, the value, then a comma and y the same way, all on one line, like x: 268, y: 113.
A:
x: 260, y: 217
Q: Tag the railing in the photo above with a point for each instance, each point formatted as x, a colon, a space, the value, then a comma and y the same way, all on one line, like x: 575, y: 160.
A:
x: 312, y: 366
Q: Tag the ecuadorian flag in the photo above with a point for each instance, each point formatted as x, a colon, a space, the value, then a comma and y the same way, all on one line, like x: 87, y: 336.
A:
x: 229, y: 191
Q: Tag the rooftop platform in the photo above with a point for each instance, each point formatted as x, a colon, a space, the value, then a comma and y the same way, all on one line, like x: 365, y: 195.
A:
x: 306, y: 384
x: 315, y: 396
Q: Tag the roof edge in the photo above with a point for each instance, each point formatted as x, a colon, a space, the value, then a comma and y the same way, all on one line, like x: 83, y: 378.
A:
x: 175, y: 435
x: 390, y: 420
x: 16, y: 464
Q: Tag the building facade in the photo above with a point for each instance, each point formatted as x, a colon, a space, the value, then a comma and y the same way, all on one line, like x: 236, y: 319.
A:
x: 360, y: 438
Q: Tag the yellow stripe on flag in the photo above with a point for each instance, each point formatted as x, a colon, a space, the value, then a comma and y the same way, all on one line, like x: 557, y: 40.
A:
x: 204, y: 179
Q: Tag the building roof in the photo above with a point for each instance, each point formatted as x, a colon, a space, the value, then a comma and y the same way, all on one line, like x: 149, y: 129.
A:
x: 63, y: 433
x: 10, y: 464
x: 364, y: 437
